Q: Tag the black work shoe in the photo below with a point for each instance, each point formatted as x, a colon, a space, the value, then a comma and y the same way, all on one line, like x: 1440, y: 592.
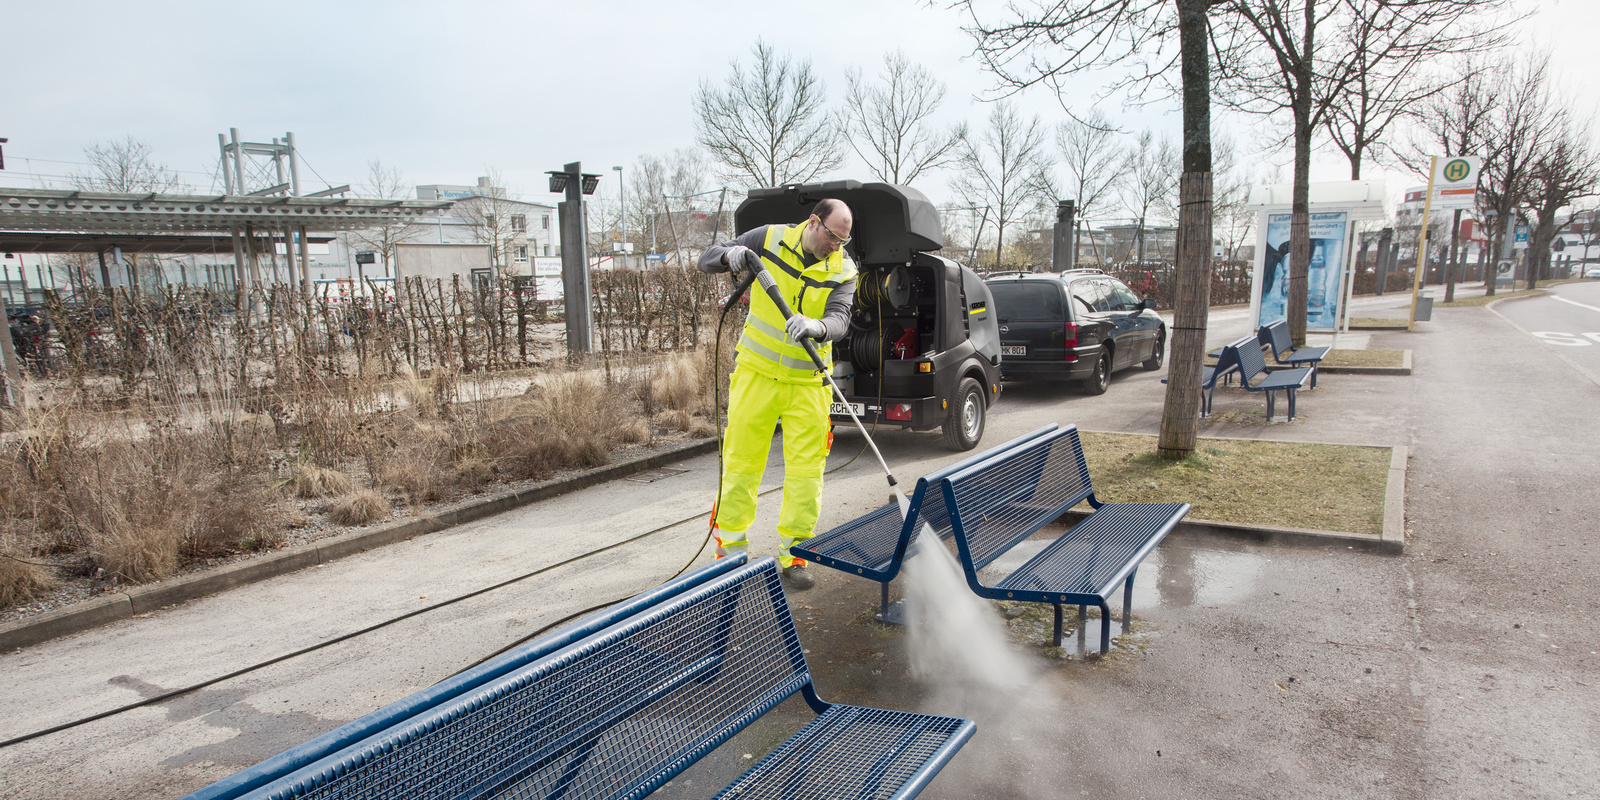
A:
x: 799, y: 577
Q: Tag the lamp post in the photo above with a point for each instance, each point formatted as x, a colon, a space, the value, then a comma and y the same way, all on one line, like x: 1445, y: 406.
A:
x: 622, y: 212
x: 575, y: 183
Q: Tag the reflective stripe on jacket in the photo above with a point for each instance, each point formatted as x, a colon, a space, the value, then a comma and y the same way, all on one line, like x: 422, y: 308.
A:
x: 765, y: 347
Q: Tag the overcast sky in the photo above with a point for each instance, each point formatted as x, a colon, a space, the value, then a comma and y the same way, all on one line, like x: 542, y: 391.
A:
x: 441, y: 89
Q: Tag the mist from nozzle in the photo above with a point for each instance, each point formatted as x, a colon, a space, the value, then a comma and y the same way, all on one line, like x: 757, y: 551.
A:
x: 957, y: 642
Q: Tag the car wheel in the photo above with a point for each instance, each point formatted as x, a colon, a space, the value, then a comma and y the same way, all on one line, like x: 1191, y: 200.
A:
x: 1158, y: 357
x: 963, y: 425
x: 1101, y: 379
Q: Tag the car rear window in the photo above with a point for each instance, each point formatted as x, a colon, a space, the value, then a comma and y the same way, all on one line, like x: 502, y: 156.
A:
x: 1027, y: 301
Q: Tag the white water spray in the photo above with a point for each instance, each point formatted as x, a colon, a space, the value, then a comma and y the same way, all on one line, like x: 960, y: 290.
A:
x: 958, y: 642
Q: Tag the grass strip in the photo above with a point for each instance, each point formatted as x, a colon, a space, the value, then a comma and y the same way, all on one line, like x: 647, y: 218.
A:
x: 1357, y: 323
x: 1364, y: 358
x: 1329, y: 487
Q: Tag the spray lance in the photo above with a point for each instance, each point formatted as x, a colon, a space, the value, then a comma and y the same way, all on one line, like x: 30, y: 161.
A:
x: 755, y: 271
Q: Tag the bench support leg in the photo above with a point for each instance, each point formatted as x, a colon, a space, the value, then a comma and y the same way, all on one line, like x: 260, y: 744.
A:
x: 1271, y: 396
x: 889, y: 614
x: 1291, y: 405
x: 1083, y: 629
x: 1105, y: 629
x: 1056, y: 640
x: 1127, y: 602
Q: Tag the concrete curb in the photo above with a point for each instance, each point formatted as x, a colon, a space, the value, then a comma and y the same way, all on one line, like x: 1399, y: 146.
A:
x: 1403, y: 369
x: 111, y: 607
x: 1392, y: 541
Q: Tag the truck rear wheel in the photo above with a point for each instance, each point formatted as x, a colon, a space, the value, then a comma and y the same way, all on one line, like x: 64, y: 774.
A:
x: 963, y: 424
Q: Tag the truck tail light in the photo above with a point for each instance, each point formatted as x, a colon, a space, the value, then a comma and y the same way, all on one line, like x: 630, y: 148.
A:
x: 1069, y: 340
x: 900, y: 412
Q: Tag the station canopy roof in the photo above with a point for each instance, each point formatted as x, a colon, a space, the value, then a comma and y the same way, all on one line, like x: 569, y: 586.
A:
x: 184, y: 216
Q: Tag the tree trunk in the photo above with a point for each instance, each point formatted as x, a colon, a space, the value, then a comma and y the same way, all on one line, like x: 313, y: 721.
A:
x: 1300, y: 214
x: 1180, y: 415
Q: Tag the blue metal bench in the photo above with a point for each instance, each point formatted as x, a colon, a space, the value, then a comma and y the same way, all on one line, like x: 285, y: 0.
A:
x: 617, y: 705
x: 874, y: 545
x: 1276, y: 336
x: 1252, y: 365
x: 998, y: 503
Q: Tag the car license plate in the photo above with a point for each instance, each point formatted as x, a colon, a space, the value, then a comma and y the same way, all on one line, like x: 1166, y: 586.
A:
x: 1013, y: 350
x: 839, y: 408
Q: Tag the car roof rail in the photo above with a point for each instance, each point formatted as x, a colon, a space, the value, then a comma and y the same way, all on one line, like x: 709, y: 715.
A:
x: 1008, y: 273
x: 1083, y: 271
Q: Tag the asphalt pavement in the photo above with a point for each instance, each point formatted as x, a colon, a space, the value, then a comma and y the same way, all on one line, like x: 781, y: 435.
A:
x: 1465, y: 667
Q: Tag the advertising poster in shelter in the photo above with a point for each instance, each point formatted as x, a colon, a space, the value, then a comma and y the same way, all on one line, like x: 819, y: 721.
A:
x: 1328, y: 236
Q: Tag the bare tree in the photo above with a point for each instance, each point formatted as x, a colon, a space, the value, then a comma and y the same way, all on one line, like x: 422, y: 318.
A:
x: 1391, y: 55
x: 1301, y: 65
x: 889, y: 121
x: 494, y: 217
x: 1519, y: 120
x: 384, y: 183
x: 1055, y: 40
x: 1235, y: 218
x: 1094, y: 163
x: 1000, y: 169
x: 126, y: 165
x: 657, y: 187
x: 766, y: 126
x: 1152, y: 178
x: 1566, y: 169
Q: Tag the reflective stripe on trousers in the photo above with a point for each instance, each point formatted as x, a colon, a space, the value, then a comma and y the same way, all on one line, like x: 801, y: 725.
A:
x: 755, y: 405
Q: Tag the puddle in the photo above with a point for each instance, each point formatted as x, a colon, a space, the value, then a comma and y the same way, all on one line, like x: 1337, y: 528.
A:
x: 1172, y: 576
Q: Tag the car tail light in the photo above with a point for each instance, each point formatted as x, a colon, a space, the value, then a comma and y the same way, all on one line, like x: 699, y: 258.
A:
x: 900, y: 412
x: 1069, y: 340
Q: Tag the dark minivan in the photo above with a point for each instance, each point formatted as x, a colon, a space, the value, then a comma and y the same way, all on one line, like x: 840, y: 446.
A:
x: 1078, y: 325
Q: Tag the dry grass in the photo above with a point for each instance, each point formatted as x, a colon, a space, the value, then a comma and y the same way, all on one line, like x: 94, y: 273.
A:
x: 1378, y: 323
x: 21, y: 577
x: 312, y: 481
x: 362, y: 507
x: 1364, y: 358
x: 702, y: 429
x: 1484, y: 300
x: 1285, y: 484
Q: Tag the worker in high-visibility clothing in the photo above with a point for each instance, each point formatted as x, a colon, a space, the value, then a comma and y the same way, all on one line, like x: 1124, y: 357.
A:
x: 775, y: 379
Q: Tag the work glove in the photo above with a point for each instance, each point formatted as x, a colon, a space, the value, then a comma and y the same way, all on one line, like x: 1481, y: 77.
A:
x: 741, y: 261
x: 800, y: 325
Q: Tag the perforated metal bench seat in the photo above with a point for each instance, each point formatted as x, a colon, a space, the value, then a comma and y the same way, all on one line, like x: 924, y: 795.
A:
x: 618, y: 712
x: 1252, y: 365
x: 850, y: 751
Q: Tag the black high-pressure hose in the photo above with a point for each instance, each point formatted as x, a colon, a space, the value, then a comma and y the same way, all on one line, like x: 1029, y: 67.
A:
x: 716, y: 403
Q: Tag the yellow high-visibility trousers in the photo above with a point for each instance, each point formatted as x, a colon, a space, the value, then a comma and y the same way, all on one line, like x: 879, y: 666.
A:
x: 755, y: 405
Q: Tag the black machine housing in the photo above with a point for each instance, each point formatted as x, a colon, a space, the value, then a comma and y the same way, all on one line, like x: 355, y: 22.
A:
x: 921, y: 324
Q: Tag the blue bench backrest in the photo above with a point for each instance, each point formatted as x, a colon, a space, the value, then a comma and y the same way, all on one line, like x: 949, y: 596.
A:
x: 1247, y: 351
x: 616, y: 714
x: 874, y: 544
x: 241, y: 782
x: 1276, y: 336
x: 1002, y: 501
